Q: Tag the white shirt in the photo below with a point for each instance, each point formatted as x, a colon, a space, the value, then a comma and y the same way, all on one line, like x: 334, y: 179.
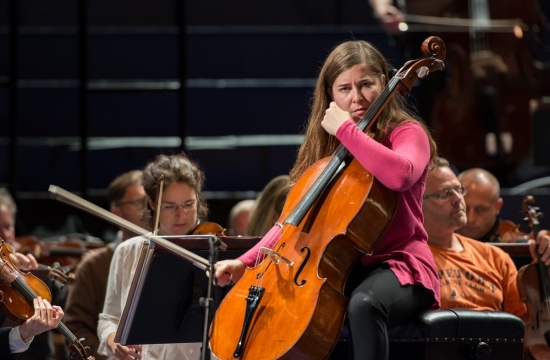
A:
x: 121, y: 274
x: 18, y: 345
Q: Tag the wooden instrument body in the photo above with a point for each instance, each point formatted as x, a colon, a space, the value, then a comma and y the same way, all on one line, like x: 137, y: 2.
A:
x: 537, y: 325
x: 301, y: 314
x: 12, y: 302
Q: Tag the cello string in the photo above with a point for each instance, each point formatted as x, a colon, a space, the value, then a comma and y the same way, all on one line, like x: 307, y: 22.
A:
x: 273, y: 235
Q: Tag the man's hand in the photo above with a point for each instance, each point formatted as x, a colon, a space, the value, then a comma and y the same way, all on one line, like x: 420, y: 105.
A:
x: 542, y: 245
x: 388, y: 15
x: 24, y: 262
x: 46, y: 317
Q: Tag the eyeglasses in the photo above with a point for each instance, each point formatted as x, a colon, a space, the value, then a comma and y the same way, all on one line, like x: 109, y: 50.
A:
x: 186, y: 206
x: 445, y: 194
x: 137, y: 203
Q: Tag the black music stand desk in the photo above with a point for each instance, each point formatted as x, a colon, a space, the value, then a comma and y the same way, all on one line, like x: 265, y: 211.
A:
x: 163, y: 304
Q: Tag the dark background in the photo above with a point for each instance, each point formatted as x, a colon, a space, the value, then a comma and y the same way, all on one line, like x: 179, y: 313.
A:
x: 80, y: 80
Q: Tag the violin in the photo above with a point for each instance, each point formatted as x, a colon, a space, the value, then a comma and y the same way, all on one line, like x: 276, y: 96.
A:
x: 17, y: 292
x: 534, y: 288
x: 292, y: 305
x: 208, y: 228
x: 67, y: 251
x: 510, y: 233
x: 55, y: 271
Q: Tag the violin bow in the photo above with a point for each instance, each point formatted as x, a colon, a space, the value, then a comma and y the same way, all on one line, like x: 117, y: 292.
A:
x: 76, y: 201
x: 160, y: 186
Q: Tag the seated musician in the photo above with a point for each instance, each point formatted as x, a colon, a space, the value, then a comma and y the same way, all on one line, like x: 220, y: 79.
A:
x: 8, y: 210
x: 268, y: 206
x: 87, y: 294
x: 182, y: 207
x: 43, y: 345
x: 239, y: 216
x: 473, y: 275
x: 17, y: 339
x: 483, y: 204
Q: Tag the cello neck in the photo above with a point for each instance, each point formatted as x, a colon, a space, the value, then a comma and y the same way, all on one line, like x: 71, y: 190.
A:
x: 339, y: 156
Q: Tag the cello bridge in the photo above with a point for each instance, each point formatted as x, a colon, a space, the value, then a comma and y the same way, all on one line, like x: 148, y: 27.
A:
x: 276, y: 257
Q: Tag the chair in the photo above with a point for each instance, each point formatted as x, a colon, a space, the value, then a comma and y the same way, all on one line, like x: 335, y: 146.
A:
x: 452, y: 334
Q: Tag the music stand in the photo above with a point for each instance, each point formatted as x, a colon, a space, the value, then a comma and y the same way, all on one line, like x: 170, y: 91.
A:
x: 167, y: 301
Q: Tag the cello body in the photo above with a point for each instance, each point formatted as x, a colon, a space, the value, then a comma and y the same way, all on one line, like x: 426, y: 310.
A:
x: 303, y: 308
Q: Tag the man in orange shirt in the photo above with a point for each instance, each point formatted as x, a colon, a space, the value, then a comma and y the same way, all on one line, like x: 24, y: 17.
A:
x: 473, y: 275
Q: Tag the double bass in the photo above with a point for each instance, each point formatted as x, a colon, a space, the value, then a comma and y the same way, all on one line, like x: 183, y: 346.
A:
x: 534, y: 289
x: 480, y: 115
x: 292, y: 305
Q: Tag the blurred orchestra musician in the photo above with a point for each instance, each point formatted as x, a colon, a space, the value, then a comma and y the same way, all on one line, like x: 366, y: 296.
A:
x: 483, y: 205
x: 8, y: 211
x: 87, y: 293
x: 479, y: 107
x: 239, y: 216
x: 43, y: 346
x: 268, y: 206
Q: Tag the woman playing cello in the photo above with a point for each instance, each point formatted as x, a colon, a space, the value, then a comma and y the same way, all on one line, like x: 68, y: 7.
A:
x: 399, y: 279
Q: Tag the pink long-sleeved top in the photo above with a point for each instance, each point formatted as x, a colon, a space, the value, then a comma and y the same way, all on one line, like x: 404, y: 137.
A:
x: 401, y: 163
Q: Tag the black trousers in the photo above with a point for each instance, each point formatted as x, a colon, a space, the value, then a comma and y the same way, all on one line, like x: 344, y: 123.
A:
x: 379, y: 303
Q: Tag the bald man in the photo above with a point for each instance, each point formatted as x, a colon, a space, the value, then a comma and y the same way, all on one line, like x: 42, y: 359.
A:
x: 483, y: 204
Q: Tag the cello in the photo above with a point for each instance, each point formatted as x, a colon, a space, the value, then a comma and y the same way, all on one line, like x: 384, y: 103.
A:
x: 534, y: 289
x: 292, y: 304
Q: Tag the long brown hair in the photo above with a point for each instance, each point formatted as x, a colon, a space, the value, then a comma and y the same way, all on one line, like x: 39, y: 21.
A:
x: 318, y: 143
x: 269, y: 206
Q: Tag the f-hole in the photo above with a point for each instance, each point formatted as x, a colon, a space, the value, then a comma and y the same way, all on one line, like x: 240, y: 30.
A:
x: 308, y: 254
